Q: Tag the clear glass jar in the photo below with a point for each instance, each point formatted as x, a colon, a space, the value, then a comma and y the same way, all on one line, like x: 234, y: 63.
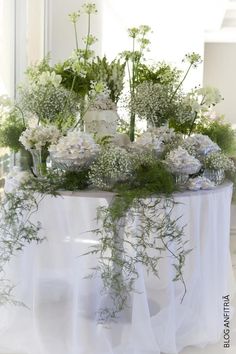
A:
x: 216, y: 176
x: 181, y: 179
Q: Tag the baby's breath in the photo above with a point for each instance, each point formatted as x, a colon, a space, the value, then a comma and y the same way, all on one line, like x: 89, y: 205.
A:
x: 112, y: 165
x: 219, y: 161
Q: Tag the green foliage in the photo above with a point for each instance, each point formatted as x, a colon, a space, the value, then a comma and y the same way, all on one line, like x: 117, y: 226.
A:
x: 161, y: 73
x: 152, y: 178
x: 72, y: 80
x: 73, y: 180
x: 16, y: 230
x: 35, y: 70
x: 99, y: 70
x: 10, y: 131
x: 221, y: 133
x: 112, y: 74
x: 120, y: 248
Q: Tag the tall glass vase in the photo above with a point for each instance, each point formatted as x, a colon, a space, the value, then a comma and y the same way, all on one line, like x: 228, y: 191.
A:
x: 39, y: 162
x: 23, y: 159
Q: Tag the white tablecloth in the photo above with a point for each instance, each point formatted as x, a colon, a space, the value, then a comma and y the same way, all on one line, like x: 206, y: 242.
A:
x: 61, y: 304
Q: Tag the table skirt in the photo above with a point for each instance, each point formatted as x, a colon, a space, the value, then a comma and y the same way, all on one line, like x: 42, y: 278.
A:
x: 59, y: 316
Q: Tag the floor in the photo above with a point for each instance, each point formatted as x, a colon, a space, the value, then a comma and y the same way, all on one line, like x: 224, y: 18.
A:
x: 219, y: 347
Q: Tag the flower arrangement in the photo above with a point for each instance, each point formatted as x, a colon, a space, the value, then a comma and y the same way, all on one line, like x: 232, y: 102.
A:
x: 43, y: 97
x: 75, y: 150
x: 179, y: 161
x: 39, y: 137
x: 159, y: 139
x: 112, y: 166
x: 219, y: 161
x: 199, y: 144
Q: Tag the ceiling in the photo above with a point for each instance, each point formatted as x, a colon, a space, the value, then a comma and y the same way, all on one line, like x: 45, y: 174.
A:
x: 226, y: 32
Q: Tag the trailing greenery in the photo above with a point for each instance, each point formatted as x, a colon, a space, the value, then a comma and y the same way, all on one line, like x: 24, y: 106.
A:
x: 122, y: 247
x: 16, y: 231
x: 16, y: 210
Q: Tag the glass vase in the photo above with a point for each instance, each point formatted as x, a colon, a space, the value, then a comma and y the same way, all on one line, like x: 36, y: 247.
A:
x: 39, y: 162
x: 23, y: 160
x: 181, y: 179
x: 216, y: 176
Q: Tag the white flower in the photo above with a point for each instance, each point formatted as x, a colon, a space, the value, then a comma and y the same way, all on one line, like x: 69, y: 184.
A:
x: 197, y: 183
x: 49, y: 78
x: 180, y: 161
x: 150, y: 141
x: 113, y: 165
x: 219, y: 161
x: 39, y: 137
x: 199, y: 144
x: 157, y: 139
x: 77, y: 147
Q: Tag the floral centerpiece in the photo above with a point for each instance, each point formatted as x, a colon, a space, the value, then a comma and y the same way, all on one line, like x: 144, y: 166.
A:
x: 76, y: 150
x: 69, y: 112
x: 182, y: 164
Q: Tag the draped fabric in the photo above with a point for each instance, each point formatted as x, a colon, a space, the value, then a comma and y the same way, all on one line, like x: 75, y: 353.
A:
x: 59, y: 316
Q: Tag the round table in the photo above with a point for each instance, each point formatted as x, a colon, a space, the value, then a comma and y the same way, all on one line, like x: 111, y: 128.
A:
x: 61, y: 304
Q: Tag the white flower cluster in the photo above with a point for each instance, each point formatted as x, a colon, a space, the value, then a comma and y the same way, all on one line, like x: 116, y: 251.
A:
x: 112, y: 165
x: 200, y: 144
x: 157, y: 138
x: 77, y: 148
x: 201, y: 99
x: 151, y: 102
x: 166, y: 134
x: 50, y: 78
x: 197, y: 183
x: 149, y: 140
x: 181, y: 162
x: 102, y: 103
x: 39, y: 137
x: 219, y: 161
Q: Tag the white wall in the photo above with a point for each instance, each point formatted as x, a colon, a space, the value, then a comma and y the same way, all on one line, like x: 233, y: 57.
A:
x: 35, y: 30
x: 178, y: 27
x: 220, y: 71
x: 7, y: 47
x: 60, y: 32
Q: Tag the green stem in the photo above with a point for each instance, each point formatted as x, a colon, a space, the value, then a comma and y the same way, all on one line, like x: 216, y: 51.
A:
x: 181, y: 83
x: 22, y: 114
x: 87, y: 40
x: 195, y: 117
x: 85, y: 111
x: 132, y: 93
x: 76, y: 37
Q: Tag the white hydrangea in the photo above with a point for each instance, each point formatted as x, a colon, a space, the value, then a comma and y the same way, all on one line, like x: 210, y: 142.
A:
x: 200, y: 182
x: 149, y: 140
x: 76, y: 147
x: 199, y: 144
x: 39, y: 137
x: 181, y: 162
x: 157, y: 138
